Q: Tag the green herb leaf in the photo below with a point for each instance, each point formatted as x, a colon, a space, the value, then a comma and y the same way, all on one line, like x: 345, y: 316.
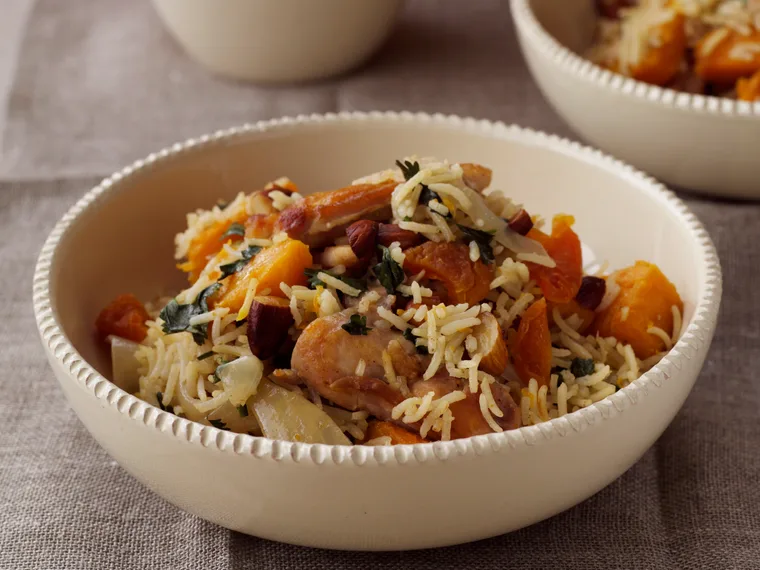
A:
x: 177, y: 317
x: 235, y: 229
x: 231, y: 268
x: 408, y: 218
x: 219, y: 424
x: 159, y: 397
x: 356, y: 325
x: 408, y: 335
x: 410, y: 169
x: 483, y: 239
x: 315, y: 281
x: 206, y: 355
x: 242, y: 410
x: 222, y: 204
x: 582, y: 367
x: 388, y: 272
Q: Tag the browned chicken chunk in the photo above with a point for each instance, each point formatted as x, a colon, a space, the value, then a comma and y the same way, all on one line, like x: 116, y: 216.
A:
x: 326, y: 357
x: 320, y: 218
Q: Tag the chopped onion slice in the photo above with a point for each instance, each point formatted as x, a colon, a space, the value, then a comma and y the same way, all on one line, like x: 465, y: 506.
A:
x: 288, y: 416
x: 241, y: 378
x: 124, y: 365
x: 484, y: 219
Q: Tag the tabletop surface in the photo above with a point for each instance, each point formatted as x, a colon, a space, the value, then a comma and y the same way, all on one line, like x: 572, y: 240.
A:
x: 82, y: 98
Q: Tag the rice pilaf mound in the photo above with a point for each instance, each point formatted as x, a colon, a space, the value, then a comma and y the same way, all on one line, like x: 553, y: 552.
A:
x: 416, y: 304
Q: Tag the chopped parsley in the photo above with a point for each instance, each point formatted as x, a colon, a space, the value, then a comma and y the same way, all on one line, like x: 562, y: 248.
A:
x: 231, y: 268
x: 242, y: 410
x: 315, y: 281
x: 388, y: 272
x: 159, y: 397
x: 177, y: 317
x: 411, y: 169
x: 206, y: 355
x: 582, y: 367
x: 219, y: 424
x: 356, y: 325
x: 235, y: 229
x: 482, y: 239
x: 413, y: 339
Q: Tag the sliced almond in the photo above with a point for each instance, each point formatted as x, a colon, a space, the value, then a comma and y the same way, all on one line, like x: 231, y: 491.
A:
x: 491, y: 345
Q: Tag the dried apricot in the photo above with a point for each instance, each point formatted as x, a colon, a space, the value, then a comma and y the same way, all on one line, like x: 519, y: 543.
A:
x: 532, y: 345
x: 466, y: 281
x: 559, y: 284
x: 125, y: 316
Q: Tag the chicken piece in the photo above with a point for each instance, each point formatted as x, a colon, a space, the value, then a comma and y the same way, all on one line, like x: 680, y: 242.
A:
x: 397, y: 434
x: 320, y: 218
x: 468, y: 419
x: 326, y: 356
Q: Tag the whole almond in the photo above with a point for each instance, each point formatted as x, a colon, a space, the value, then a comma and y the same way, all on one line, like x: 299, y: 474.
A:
x: 268, y: 322
x: 389, y: 233
x: 362, y: 237
x: 521, y: 223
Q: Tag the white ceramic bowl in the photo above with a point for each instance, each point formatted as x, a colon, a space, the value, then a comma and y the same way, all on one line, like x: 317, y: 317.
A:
x: 279, y: 40
x: 119, y: 238
x: 706, y: 144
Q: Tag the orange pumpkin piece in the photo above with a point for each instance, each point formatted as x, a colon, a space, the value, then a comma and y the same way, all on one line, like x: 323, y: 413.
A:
x: 531, y: 348
x: 662, y: 62
x: 283, y: 262
x: 125, y: 316
x: 725, y: 55
x: 748, y: 89
x: 398, y: 435
x: 645, y: 300
x: 465, y: 281
x: 559, y: 284
x: 207, y: 244
x: 567, y: 310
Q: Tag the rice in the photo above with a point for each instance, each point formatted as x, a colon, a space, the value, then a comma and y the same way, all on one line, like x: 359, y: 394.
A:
x: 392, y: 318
x: 381, y: 440
x: 337, y: 284
x: 367, y: 300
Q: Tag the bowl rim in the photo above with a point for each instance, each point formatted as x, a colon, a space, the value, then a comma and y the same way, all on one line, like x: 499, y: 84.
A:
x: 653, y: 95
x: 694, y: 339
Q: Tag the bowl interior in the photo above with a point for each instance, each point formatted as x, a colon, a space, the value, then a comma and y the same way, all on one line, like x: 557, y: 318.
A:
x: 123, y: 241
x: 571, y: 22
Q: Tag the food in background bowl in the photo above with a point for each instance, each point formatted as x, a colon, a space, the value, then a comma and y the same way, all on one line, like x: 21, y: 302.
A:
x: 708, y: 47
x: 416, y: 304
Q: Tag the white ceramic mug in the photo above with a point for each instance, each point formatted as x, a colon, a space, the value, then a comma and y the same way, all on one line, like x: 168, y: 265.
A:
x: 279, y: 40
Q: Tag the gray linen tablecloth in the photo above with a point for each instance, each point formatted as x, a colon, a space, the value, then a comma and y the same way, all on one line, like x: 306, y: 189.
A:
x: 119, y: 89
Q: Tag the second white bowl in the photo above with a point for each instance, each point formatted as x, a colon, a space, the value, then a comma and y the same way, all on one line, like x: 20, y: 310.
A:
x: 274, y: 41
x: 706, y: 144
